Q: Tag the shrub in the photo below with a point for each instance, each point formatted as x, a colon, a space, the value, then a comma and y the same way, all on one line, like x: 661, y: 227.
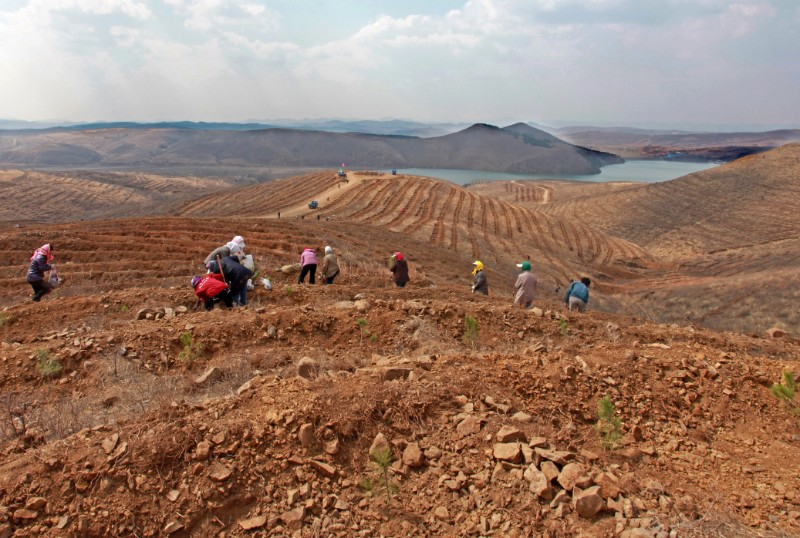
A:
x: 47, y: 363
x: 608, y: 424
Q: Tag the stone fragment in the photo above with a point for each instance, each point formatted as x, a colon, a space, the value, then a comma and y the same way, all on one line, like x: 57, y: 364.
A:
x: 560, y: 457
x: 323, y: 468
x: 775, y: 332
x: 173, y: 495
x: 539, y: 484
x: 469, y: 426
x: 413, y: 456
x: 560, y: 497
x: 341, y: 505
x: 508, y: 434
x: 202, y: 451
x: 294, y: 518
x: 537, y: 442
x: 219, y: 472
x: 24, y: 513
x: 550, y: 470
x: 211, y: 375
x: 110, y: 443
x: 569, y: 475
x: 253, y: 523
x: 441, y: 512
x: 510, y: 452
x: 35, y: 503
x: 609, y: 485
x: 380, y: 445
x: 306, y: 434
x: 362, y: 305
x: 588, y: 502
x: 521, y: 416
x: 308, y: 368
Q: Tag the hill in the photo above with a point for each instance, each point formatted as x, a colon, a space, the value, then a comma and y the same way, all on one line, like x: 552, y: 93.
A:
x: 642, y: 144
x: 724, y: 238
x: 518, y: 149
x: 262, y: 419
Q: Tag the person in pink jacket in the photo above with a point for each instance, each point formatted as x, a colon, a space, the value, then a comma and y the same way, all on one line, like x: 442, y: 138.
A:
x: 308, y: 266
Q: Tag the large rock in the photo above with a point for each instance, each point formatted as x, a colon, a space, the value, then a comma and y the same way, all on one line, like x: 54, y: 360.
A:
x: 413, y: 456
x: 569, y: 475
x: 510, y: 452
x: 609, y: 485
x: 539, y: 483
x: 588, y: 502
x: 294, y: 518
x: 550, y: 470
x: 306, y: 434
x: 308, y: 368
x: 468, y: 426
x: 380, y: 445
x: 509, y: 434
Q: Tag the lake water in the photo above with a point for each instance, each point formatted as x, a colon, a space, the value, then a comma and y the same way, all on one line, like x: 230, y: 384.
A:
x: 642, y: 171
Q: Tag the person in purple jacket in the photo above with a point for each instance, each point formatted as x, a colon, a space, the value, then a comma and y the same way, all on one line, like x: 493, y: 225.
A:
x: 40, y: 262
x: 308, y: 266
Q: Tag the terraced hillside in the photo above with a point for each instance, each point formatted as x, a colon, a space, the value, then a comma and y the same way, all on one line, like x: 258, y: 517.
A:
x: 79, y: 195
x: 127, y: 411
x: 727, y: 239
x: 440, y: 215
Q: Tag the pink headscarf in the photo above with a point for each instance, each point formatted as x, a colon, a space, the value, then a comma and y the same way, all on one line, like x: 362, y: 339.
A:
x: 44, y: 250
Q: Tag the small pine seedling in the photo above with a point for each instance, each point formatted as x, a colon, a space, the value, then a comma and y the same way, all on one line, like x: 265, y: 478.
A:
x: 362, y: 326
x: 786, y: 390
x: 563, y: 326
x: 192, y: 350
x: 471, y: 330
x: 382, y: 459
x: 608, y: 424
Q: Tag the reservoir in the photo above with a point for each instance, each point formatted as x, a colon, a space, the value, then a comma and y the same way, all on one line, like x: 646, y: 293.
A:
x: 633, y: 170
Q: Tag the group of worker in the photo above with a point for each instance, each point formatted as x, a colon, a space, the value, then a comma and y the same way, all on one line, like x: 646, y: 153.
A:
x: 228, y: 279
x: 576, y: 298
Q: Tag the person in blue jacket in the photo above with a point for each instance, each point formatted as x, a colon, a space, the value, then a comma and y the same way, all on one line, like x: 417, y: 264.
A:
x: 578, y: 294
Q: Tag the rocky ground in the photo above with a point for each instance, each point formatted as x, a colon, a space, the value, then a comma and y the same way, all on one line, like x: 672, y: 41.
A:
x: 353, y: 411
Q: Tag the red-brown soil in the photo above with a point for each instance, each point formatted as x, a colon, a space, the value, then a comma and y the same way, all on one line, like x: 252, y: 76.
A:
x: 125, y: 440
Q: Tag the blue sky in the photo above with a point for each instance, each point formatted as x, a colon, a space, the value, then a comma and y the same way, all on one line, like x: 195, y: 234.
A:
x: 625, y: 62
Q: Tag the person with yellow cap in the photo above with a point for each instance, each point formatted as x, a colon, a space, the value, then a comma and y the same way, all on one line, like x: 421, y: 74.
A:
x: 480, y: 283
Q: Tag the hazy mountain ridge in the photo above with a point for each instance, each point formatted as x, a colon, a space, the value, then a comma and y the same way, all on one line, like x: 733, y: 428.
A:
x: 515, y: 149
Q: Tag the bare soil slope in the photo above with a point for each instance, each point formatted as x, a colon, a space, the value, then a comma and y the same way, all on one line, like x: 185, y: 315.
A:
x: 727, y: 239
x: 147, y: 432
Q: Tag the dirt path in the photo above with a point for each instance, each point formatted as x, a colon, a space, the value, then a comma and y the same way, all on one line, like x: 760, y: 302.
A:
x: 328, y: 196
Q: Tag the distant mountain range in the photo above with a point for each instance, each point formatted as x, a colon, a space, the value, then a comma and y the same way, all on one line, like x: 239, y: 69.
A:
x: 518, y: 148
x: 383, y: 127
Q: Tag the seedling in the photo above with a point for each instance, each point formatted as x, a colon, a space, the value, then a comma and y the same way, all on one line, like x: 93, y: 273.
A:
x: 786, y: 390
x: 563, y: 326
x: 382, y: 460
x: 289, y: 290
x: 608, y: 424
x: 3, y: 319
x: 192, y: 350
x: 47, y: 363
x: 471, y: 330
x: 362, y: 326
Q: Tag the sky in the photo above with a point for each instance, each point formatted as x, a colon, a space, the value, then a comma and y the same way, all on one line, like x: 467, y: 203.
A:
x: 615, y: 62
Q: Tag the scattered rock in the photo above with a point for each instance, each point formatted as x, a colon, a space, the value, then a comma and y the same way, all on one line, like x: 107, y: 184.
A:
x: 569, y: 475
x: 469, y: 426
x: 441, y: 512
x: 306, y: 434
x: 110, y: 443
x: 202, y: 451
x: 588, y: 502
x: 219, y: 472
x: 24, y: 513
x: 294, y: 518
x: 253, y: 523
x: 508, y: 434
x: 36, y: 503
x: 510, y: 452
x: 391, y: 374
x: 323, y: 468
x: 211, y: 375
x: 172, y: 527
x: 413, y: 456
x: 379, y: 445
x: 775, y: 332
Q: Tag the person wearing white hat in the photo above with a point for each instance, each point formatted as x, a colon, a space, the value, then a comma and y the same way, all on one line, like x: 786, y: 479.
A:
x: 330, y: 266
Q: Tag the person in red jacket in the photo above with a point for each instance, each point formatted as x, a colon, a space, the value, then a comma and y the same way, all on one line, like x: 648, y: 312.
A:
x: 212, y: 289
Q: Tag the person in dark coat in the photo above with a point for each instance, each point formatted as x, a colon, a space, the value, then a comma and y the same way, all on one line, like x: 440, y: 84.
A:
x: 480, y: 283
x: 40, y: 262
x: 236, y: 275
x: 399, y: 269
